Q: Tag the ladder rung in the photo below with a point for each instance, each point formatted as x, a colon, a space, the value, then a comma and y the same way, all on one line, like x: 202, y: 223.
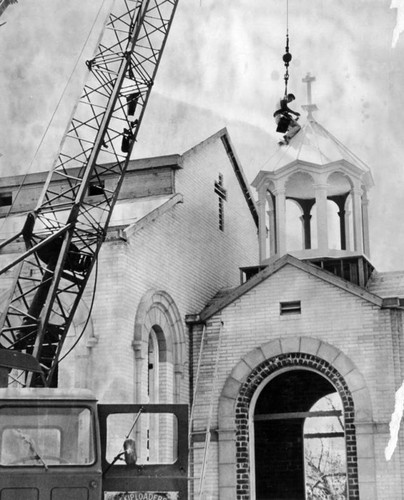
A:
x: 209, y: 369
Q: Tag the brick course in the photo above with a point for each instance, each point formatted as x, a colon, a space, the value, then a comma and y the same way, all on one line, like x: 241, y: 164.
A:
x: 182, y: 252
x: 348, y: 333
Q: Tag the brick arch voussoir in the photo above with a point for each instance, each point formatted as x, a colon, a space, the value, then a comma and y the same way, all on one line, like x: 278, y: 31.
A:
x: 293, y: 355
x: 325, y: 352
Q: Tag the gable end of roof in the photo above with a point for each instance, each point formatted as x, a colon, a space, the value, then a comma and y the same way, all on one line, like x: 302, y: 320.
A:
x: 223, y: 301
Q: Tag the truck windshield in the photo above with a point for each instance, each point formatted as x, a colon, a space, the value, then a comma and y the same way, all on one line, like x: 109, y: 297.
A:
x: 46, y: 436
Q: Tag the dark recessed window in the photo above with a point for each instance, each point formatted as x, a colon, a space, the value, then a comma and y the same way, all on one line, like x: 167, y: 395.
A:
x: 293, y: 307
x: 6, y: 199
x: 96, y: 188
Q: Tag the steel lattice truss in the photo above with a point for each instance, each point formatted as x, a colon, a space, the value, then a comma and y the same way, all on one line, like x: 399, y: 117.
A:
x: 4, y: 4
x: 65, y: 232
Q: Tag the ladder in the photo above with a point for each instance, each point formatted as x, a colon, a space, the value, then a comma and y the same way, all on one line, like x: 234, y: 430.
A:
x: 203, y: 394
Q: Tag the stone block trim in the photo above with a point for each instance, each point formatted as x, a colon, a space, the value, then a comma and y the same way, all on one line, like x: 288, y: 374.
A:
x: 158, y: 309
x: 246, y: 394
x: 316, y: 347
x: 239, y: 389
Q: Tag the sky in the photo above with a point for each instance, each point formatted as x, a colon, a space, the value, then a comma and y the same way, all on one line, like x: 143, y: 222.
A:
x: 222, y: 67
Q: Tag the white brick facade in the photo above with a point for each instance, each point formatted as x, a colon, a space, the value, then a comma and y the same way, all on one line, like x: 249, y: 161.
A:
x: 170, y: 264
x: 339, y: 323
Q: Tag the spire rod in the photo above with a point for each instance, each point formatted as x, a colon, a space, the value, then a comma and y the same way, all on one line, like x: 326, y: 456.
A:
x: 287, y: 57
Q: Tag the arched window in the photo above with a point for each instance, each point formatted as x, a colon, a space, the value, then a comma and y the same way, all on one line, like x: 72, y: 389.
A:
x: 159, y: 329
x: 153, y: 386
x: 159, y: 345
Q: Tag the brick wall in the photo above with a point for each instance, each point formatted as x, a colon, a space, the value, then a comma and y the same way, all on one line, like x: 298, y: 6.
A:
x: 184, y: 253
x: 354, y: 335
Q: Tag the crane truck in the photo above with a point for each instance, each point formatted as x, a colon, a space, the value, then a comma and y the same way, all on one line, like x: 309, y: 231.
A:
x: 58, y: 444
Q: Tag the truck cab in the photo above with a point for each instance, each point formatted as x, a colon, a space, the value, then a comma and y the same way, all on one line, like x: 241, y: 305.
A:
x: 62, y: 445
x: 49, y: 445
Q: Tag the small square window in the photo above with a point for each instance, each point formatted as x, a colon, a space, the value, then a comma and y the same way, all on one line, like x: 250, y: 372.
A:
x: 6, y: 199
x: 292, y: 307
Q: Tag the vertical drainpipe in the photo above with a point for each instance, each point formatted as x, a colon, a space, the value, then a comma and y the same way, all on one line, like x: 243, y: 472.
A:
x: 191, y: 320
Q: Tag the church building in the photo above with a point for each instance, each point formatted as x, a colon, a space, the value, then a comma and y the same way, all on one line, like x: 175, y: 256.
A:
x: 308, y: 349
x: 267, y: 317
x: 182, y: 225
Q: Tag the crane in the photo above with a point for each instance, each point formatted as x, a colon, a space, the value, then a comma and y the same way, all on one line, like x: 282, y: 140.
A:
x: 4, y: 4
x: 64, y: 233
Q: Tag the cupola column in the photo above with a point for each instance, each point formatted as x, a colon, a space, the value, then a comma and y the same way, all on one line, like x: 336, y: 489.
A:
x: 280, y: 206
x: 306, y: 206
x: 272, y: 231
x: 342, y: 226
x: 357, y: 219
x: 262, y: 227
x: 322, y: 223
x: 365, y: 223
x: 348, y: 238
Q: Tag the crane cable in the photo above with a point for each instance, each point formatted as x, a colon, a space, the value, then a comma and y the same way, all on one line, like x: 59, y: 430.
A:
x: 287, y: 57
x: 87, y: 320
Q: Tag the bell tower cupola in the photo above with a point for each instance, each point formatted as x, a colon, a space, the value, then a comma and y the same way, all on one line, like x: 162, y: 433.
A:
x: 313, y: 202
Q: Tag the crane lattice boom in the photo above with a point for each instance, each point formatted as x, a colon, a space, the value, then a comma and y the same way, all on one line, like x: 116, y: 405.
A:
x: 64, y: 233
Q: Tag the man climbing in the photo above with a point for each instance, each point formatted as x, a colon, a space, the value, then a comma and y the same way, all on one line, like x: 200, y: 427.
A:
x: 285, y: 123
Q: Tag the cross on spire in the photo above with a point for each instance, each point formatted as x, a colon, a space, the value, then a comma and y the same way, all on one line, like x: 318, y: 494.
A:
x: 309, y: 107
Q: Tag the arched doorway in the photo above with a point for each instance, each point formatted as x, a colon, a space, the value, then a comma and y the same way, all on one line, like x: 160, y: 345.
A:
x: 298, y: 420
x: 243, y: 386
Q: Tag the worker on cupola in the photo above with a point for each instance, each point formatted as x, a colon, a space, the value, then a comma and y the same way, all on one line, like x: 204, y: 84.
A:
x: 284, y: 120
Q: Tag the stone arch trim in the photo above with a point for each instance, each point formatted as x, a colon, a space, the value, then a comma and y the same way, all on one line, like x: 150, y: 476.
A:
x: 342, y: 173
x: 158, y: 310
x: 297, y: 173
x: 253, y: 369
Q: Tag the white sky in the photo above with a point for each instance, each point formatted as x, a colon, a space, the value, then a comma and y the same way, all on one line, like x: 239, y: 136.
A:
x: 223, y: 67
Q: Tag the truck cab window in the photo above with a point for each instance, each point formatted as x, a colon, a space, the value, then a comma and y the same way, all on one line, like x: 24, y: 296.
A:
x: 155, y: 437
x: 46, y: 436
